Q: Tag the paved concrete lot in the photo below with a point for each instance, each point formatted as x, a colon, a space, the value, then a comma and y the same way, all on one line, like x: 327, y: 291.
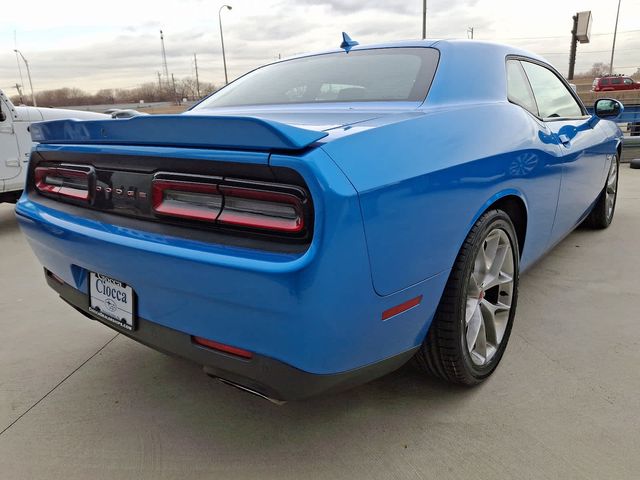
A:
x: 77, y: 402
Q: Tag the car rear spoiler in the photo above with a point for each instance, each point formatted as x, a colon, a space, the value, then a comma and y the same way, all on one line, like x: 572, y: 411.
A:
x: 197, y: 131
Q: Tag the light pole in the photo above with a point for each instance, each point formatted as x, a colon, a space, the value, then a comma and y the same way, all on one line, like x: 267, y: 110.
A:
x: 424, y: 19
x: 224, y: 59
x: 613, y: 47
x: 33, y: 97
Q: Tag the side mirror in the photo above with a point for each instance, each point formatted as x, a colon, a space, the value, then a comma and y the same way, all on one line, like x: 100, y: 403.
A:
x: 608, y: 109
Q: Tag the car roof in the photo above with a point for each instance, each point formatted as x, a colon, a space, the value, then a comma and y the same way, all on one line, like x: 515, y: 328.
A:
x: 458, y: 57
x: 461, y: 44
x: 469, y: 71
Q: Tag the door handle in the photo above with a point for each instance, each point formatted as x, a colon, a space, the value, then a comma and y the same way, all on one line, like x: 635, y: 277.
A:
x: 564, y: 139
x: 12, y: 163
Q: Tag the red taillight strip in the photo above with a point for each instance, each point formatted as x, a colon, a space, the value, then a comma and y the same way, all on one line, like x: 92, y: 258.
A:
x: 164, y: 208
x: 42, y: 173
x: 254, y: 206
x: 403, y: 307
x: 222, y: 347
x: 252, y: 220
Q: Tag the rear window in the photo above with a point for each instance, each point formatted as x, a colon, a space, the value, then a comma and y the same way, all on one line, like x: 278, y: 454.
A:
x: 377, y: 75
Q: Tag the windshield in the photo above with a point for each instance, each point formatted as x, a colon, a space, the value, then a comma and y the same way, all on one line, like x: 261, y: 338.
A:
x: 376, y: 75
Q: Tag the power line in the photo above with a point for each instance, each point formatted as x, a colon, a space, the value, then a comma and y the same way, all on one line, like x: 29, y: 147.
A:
x: 559, y: 36
x: 590, y: 52
x: 629, y: 66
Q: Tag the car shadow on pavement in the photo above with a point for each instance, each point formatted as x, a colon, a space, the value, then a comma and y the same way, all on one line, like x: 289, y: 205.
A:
x: 396, y: 396
x: 164, y: 415
x: 397, y: 406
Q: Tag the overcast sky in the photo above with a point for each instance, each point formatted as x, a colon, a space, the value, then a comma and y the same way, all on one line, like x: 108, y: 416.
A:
x: 115, y: 44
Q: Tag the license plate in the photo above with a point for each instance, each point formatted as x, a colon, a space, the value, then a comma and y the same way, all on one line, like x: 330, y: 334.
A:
x: 111, y: 300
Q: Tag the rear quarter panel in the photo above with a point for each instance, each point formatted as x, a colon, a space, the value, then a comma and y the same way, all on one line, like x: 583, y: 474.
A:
x: 423, y: 182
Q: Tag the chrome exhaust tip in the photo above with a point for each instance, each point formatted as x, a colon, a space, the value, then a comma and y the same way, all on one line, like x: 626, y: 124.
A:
x: 249, y: 390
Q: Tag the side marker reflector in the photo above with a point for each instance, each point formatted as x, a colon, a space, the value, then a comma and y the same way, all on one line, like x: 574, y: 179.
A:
x: 221, y: 347
x: 403, y: 307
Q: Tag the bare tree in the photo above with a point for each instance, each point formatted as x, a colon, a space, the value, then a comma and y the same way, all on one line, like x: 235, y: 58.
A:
x: 106, y: 95
x: 598, y: 69
x: 147, y: 92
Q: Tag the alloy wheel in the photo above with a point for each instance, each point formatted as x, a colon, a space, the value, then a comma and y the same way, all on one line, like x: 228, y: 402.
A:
x: 489, y: 297
x: 612, y: 187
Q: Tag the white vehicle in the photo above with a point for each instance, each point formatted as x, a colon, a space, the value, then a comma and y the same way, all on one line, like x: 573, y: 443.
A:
x: 15, y: 141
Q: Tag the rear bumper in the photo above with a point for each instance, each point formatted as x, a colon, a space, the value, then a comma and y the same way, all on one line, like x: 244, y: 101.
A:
x: 316, y: 312
x: 311, y: 314
x: 264, y: 375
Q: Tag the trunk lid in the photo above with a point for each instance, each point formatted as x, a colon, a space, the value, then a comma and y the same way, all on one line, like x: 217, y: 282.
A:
x: 315, y: 117
x: 284, y: 127
x: 190, y: 131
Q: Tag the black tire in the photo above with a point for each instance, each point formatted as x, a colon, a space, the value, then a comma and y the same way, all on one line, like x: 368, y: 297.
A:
x: 600, y: 216
x: 444, y: 352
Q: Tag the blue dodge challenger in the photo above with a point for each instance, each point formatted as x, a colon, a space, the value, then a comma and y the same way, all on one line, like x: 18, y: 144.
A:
x: 324, y: 219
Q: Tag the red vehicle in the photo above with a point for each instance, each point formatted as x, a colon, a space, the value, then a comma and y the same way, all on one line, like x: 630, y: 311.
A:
x: 614, y: 82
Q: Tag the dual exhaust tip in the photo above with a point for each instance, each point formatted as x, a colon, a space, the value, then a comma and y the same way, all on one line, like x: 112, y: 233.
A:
x: 247, y: 389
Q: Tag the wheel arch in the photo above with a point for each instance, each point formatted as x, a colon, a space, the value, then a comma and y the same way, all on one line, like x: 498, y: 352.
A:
x: 514, y: 204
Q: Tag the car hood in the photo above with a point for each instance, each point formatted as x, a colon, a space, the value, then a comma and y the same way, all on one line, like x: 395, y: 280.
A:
x: 38, y: 114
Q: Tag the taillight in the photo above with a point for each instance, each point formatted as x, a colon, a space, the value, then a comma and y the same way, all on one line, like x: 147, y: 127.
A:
x: 268, y: 207
x: 195, y: 201
x: 65, y: 181
x: 252, y: 208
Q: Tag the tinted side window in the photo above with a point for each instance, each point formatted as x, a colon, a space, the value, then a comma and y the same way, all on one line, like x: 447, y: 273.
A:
x: 518, y: 89
x: 553, y: 98
x: 604, y: 81
x: 616, y: 81
x: 628, y: 81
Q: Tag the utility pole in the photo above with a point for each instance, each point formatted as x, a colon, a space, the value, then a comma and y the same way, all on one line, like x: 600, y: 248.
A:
x: 20, y: 93
x: 580, y: 32
x: 470, y: 33
x: 574, y: 45
x: 26, y: 64
x: 165, y: 68
x: 159, y: 81
x: 15, y: 49
x: 424, y: 19
x: 195, y: 61
x: 615, y: 32
x: 224, y: 58
x: 175, y: 92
